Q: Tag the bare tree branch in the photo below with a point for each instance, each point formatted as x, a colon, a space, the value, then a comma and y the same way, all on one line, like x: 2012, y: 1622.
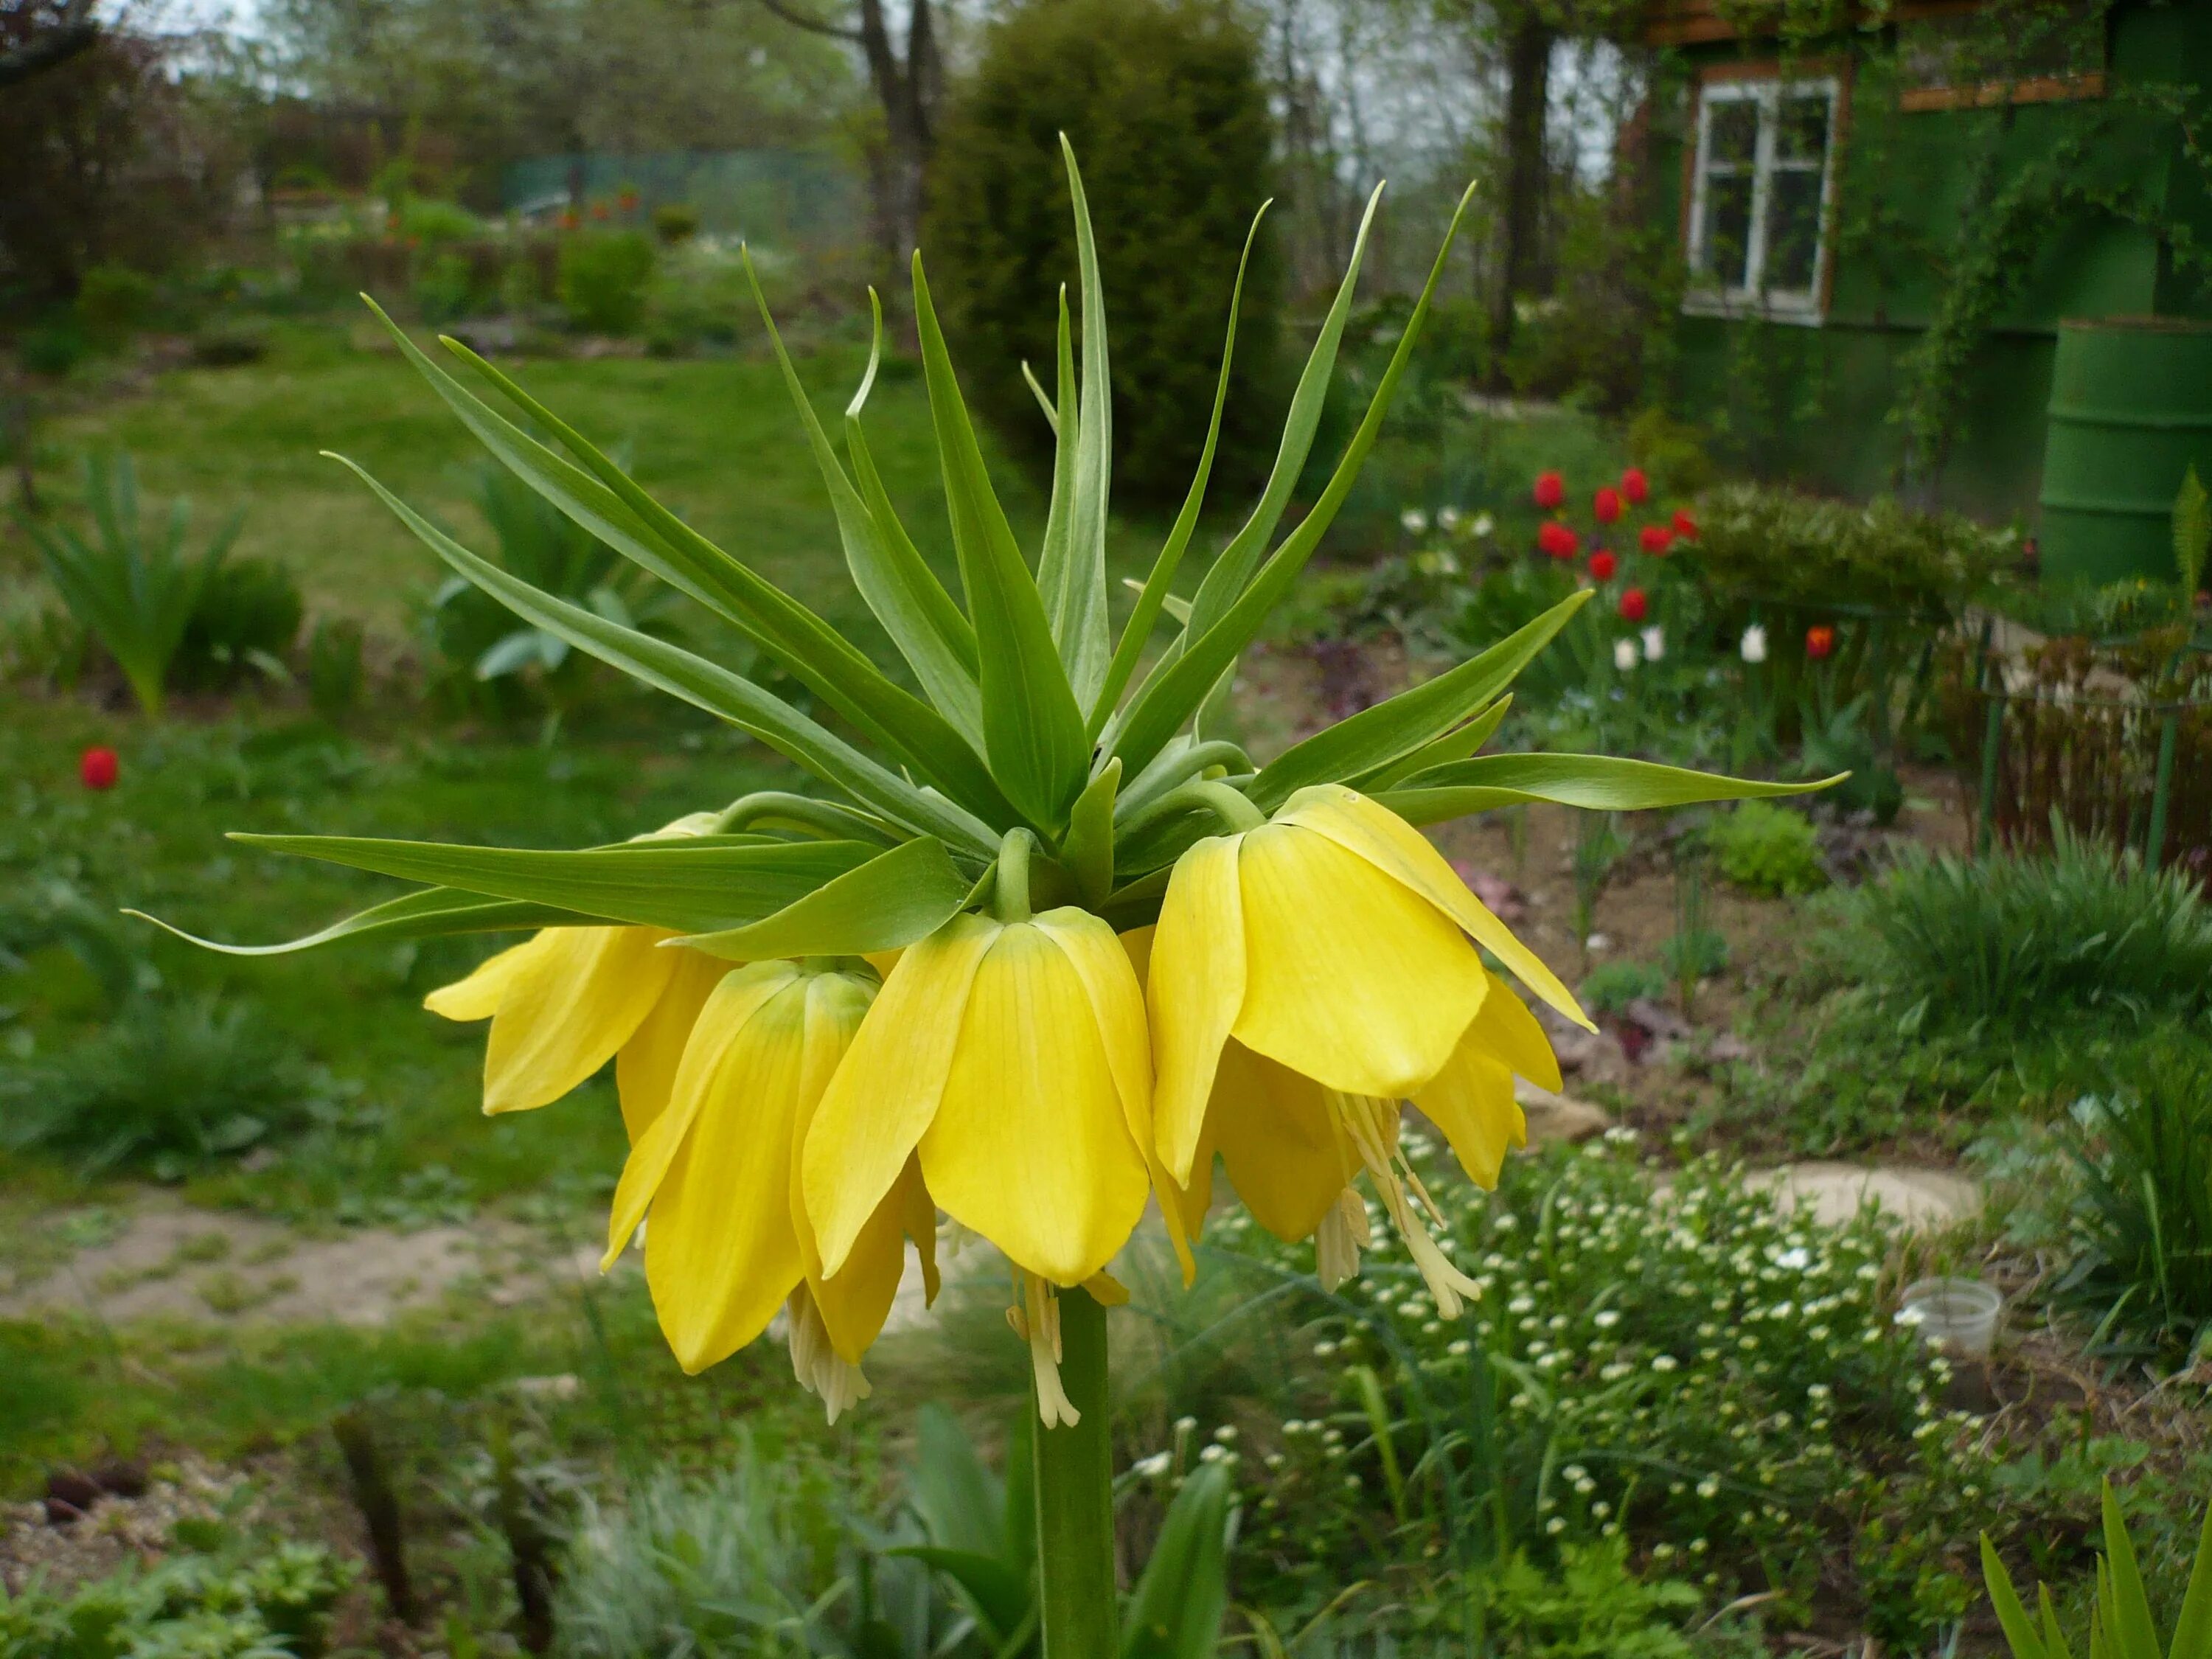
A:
x: 799, y: 20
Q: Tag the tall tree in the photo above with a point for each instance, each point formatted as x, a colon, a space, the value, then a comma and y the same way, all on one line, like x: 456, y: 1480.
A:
x: 908, y: 81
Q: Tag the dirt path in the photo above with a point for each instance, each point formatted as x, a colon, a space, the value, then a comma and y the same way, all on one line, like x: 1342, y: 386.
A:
x: 156, y: 1257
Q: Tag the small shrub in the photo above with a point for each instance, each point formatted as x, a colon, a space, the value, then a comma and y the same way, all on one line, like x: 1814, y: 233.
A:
x: 164, y: 1087
x: 675, y: 221
x: 1593, y: 1606
x: 1775, y: 544
x: 114, y: 302
x: 52, y: 347
x: 603, y: 280
x: 1695, y: 954
x: 1164, y: 104
x: 136, y: 595
x: 229, y: 345
x: 1768, y: 849
x: 2144, y: 1218
x: 276, y: 1605
x: 334, y: 666
x: 246, y: 618
x: 1612, y: 986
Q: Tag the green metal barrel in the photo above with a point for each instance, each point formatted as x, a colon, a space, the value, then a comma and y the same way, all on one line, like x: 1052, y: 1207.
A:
x: 2131, y: 412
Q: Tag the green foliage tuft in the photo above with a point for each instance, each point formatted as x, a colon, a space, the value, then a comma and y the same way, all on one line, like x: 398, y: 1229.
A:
x: 1776, y: 544
x: 247, y: 616
x: 604, y: 279
x: 1768, y: 850
x: 1164, y: 100
x: 2192, y: 533
x: 1611, y: 987
x: 275, y: 1606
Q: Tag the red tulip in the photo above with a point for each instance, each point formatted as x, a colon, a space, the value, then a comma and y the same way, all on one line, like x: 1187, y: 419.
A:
x: 1655, y: 540
x: 1550, y: 490
x: 97, y: 767
x: 1819, y: 640
x: 1603, y: 565
x: 1556, y: 539
x: 1685, y: 526
x: 1605, y: 505
x: 1635, y: 485
x: 1634, y: 607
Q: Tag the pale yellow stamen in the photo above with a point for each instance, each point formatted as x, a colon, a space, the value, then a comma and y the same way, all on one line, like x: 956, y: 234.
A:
x: 1371, y: 1125
x: 1036, y: 1321
x: 818, y: 1366
x: 1342, y: 1235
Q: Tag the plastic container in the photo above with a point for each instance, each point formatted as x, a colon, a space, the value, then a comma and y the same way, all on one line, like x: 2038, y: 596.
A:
x: 1959, y: 1316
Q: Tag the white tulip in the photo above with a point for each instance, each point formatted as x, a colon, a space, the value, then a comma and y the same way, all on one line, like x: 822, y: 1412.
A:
x: 1754, y: 644
x: 1654, y: 643
x: 1624, y: 654
x: 1414, y: 519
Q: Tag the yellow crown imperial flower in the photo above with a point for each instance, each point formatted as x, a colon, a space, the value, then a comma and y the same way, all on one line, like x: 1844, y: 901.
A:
x: 715, y: 1177
x: 1305, y: 975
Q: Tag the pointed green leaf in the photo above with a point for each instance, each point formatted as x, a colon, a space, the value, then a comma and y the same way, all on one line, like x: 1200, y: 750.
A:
x: 1602, y: 783
x: 433, y: 913
x: 1171, y: 696
x: 605, y: 502
x: 2020, y: 1634
x: 697, y: 885
x: 1176, y: 1609
x: 901, y: 590
x: 886, y: 905
x: 1087, y: 644
x: 1456, y: 744
x: 706, y: 685
x: 2054, y: 1639
x: 1057, y: 584
x: 1376, y: 736
x: 1229, y: 573
x: 998, y: 1594
x: 1031, y: 729
x: 2192, y: 1631
x: 1089, y: 848
x: 959, y: 1500
x: 1154, y: 596
x: 2135, y: 1635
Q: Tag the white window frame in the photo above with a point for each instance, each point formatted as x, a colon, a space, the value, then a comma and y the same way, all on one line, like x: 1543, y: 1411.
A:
x: 1802, y: 306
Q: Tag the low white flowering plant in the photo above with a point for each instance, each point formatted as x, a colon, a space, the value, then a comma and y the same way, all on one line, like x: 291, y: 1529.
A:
x: 1677, y: 1362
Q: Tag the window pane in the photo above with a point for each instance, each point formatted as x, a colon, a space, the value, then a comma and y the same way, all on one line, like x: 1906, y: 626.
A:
x: 1727, y: 229
x: 1793, y: 230
x: 1803, y: 133
x: 1732, y: 136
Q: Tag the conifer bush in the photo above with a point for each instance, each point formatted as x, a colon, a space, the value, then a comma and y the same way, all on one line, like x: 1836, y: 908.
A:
x: 1164, y: 100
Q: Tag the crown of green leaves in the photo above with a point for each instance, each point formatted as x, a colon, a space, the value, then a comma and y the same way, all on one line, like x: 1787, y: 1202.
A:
x: 1026, y: 750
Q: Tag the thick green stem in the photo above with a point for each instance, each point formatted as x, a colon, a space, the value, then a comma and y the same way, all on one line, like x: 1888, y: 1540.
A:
x: 1075, y: 1496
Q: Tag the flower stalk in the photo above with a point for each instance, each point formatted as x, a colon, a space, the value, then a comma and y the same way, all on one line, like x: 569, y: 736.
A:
x: 1074, y: 1468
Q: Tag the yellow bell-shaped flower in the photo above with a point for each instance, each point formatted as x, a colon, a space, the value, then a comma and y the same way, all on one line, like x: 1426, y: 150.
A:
x: 1304, y: 977
x: 715, y: 1177
x: 568, y: 999
x: 1012, y: 1058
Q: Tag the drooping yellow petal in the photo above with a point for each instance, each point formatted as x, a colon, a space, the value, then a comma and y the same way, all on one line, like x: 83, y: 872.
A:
x: 1287, y: 1162
x: 477, y: 997
x: 1117, y: 1002
x: 567, y: 1008
x: 887, y: 1086
x: 1504, y: 1029
x: 1391, y: 844
x: 1351, y: 977
x: 1472, y: 1101
x: 1194, y: 992
x: 853, y: 1305
x: 720, y: 1025
x: 645, y: 1069
x: 722, y: 1252
x: 1031, y: 1145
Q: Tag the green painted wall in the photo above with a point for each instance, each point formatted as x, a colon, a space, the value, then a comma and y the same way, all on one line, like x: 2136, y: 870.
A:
x: 1813, y: 404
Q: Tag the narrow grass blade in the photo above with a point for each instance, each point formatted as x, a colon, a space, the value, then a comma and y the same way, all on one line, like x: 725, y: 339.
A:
x: 1375, y: 737
x: 1032, y: 730
x: 1171, y: 697
x: 706, y: 685
x: 1154, y: 596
